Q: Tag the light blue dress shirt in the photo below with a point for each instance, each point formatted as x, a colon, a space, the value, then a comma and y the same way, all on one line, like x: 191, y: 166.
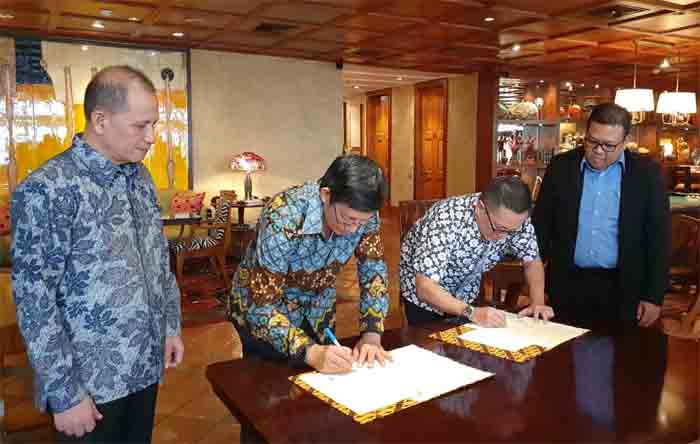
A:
x: 599, y: 215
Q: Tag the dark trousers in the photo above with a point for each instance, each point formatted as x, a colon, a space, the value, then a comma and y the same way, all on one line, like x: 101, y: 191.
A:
x: 255, y: 348
x: 592, y: 299
x: 125, y: 420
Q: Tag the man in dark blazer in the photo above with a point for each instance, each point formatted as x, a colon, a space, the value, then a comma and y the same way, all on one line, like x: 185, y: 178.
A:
x: 603, y: 225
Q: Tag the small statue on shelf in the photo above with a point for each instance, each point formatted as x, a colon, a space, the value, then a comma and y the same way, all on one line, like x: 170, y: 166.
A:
x: 695, y: 156
x: 683, y: 149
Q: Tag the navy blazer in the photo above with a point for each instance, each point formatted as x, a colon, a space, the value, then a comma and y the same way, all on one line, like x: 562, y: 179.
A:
x: 644, y: 241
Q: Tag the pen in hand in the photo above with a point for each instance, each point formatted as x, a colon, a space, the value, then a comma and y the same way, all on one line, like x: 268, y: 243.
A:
x: 331, y: 336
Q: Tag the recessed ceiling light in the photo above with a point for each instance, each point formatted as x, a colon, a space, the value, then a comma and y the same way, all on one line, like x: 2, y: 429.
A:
x: 489, y: 19
x: 84, y: 47
x: 568, y: 84
x: 106, y: 12
x: 541, y: 81
x: 178, y: 34
x: 98, y: 25
x: 133, y: 19
x: 399, y: 78
x: 597, y: 86
x: 582, y: 85
x: 6, y: 15
x: 665, y: 64
x: 516, y: 47
x: 198, y: 20
x: 356, y: 87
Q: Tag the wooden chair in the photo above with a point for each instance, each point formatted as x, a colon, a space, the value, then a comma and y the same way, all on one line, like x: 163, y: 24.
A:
x: 685, y: 251
x: 681, y: 179
x: 212, y: 246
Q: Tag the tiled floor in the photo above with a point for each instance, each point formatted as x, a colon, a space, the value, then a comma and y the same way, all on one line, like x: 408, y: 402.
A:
x: 187, y: 410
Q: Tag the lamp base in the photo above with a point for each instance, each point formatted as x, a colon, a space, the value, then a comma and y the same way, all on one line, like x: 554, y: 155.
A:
x: 248, y: 187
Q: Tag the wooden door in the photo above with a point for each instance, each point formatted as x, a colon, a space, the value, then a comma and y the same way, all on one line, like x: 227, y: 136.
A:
x: 379, y: 132
x: 431, y: 147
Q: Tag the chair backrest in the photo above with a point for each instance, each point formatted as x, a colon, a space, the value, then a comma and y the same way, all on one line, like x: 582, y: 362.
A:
x: 412, y: 210
x: 686, y: 241
x: 681, y: 175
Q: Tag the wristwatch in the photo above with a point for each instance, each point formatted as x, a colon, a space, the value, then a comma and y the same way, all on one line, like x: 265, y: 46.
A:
x: 468, y: 311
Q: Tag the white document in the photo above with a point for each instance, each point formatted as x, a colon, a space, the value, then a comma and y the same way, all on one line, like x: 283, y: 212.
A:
x: 416, y: 374
x: 521, y: 332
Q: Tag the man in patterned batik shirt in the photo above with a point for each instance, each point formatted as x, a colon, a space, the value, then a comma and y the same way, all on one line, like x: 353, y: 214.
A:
x: 283, y: 295
x: 445, y: 253
x: 96, y: 302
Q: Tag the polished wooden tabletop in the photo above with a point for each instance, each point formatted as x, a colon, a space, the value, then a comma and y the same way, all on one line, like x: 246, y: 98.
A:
x: 634, y: 386
x: 181, y: 218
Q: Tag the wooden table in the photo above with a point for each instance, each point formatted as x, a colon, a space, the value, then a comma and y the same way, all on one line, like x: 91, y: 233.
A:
x: 685, y: 205
x: 181, y: 219
x: 243, y: 204
x: 642, y: 386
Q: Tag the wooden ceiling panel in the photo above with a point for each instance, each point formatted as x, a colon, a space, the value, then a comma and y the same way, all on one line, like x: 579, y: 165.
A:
x: 166, y: 32
x: 350, y: 4
x: 551, y: 27
x: 245, y: 39
x: 85, y: 24
x: 401, y: 41
x: 303, y: 12
x: 230, y: 6
x: 198, y: 17
x: 666, y: 22
x: 343, y: 35
x: 377, y: 23
x: 26, y: 20
x: 455, y: 33
x: 692, y: 33
x: 511, y: 37
x: 94, y: 9
x: 313, y: 46
x: 606, y: 35
x: 547, y: 6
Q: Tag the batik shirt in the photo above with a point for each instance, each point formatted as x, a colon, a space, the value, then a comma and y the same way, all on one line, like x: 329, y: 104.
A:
x: 445, y: 245
x: 289, y: 272
x: 91, y: 278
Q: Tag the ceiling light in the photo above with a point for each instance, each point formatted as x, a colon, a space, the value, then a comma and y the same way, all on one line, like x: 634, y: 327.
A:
x: 399, y: 78
x: 178, y: 34
x: 489, y: 19
x: 106, y: 12
x: 84, y: 47
x: 665, y: 64
x: 152, y: 53
x: 568, y: 84
x: 516, y: 47
x: 133, y: 19
x: 356, y: 87
x: 98, y: 25
x: 6, y: 15
x: 676, y: 107
x: 636, y: 100
x: 541, y: 81
x: 582, y: 85
x: 597, y: 86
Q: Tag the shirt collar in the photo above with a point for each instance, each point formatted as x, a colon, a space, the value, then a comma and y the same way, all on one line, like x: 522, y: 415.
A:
x: 620, y: 160
x: 313, y: 220
x: 102, y: 169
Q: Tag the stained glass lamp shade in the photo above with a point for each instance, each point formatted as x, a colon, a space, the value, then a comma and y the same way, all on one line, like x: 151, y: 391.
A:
x: 247, y: 162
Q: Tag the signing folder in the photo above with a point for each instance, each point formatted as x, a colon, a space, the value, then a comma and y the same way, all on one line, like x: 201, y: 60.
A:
x: 416, y: 375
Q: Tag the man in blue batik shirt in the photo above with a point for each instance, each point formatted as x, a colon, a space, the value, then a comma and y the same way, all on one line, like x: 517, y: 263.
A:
x: 97, y: 304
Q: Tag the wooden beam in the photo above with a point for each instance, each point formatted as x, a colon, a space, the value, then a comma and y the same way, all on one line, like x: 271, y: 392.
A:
x: 54, y: 15
x: 153, y: 16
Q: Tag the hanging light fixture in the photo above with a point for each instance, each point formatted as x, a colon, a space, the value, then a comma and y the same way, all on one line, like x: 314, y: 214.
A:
x: 635, y: 100
x: 676, y: 107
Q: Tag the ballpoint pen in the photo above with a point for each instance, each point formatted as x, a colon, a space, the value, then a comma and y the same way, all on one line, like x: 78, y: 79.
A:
x: 331, y: 336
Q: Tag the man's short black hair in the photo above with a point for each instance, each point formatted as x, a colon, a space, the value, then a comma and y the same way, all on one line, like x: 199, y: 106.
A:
x: 508, y: 192
x: 109, y: 89
x: 357, y: 181
x: 612, y: 115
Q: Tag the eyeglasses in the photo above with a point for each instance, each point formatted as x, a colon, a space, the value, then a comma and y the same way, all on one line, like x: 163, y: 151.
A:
x: 493, y: 227
x: 348, y: 222
x: 607, y: 147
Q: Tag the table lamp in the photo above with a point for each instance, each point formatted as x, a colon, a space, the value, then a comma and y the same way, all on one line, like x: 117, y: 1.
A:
x: 248, y: 162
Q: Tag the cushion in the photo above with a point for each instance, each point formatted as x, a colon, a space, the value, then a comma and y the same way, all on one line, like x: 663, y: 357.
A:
x: 186, y: 202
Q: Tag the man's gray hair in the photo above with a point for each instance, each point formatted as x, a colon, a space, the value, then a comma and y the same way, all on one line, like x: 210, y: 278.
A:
x: 508, y: 192
x: 109, y: 89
